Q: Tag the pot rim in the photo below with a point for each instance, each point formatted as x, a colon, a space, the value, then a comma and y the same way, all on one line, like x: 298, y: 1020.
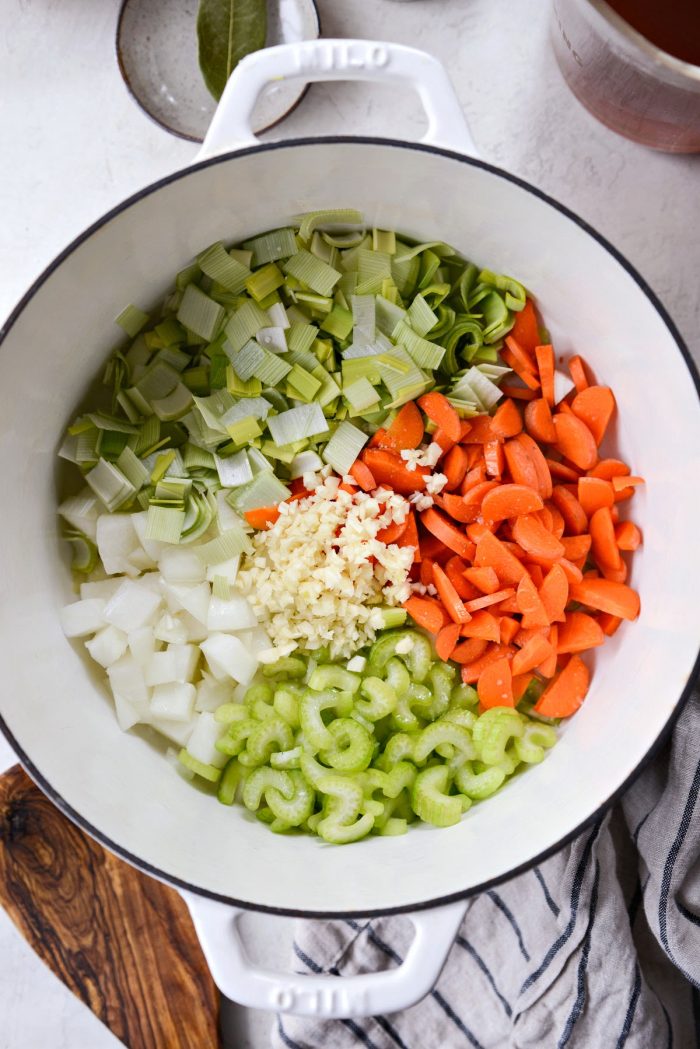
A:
x: 655, y: 746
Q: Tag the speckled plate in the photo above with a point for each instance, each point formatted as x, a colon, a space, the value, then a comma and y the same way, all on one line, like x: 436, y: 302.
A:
x: 157, y: 56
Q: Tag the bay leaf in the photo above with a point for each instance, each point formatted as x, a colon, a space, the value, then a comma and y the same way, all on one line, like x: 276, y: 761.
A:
x: 227, y: 31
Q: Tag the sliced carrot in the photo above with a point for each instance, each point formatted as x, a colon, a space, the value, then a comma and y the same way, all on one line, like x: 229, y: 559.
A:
x: 426, y: 571
x: 509, y: 607
x: 575, y: 441
x: 480, y: 431
x: 536, y: 573
x: 594, y: 492
x: 571, y: 510
x: 442, y: 528
x: 572, y: 572
x: 510, y: 500
x: 577, y: 371
x: 427, y: 613
x: 518, y: 393
x: 548, y: 667
x: 446, y: 443
x: 361, y: 473
x: 530, y: 604
x: 509, y: 628
x: 393, y: 532
x: 609, y: 623
x: 489, y: 599
x: 407, y: 429
x: 545, y: 366
x: 525, y: 359
x: 484, y: 625
x: 627, y: 536
x: 455, y: 467
x: 615, y: 513
x: 493, y: 458
x: 410, y: 536
x: 522, y: 468
x: 262, y: 517
x: 475, y: 496
x: 495, y: 685
x: 538, y: 421
x: 576, y: 546
x: 474, y: 476
x: 525, y: 328
x: 609, y: 468
x: 594, y: 406
x: 455, y: 506
x: 514, y: 549
x: 440, y: 411
x: 485, y: 579
x: 454, y: 570
x: 433, y: 548
x: 533, y: 537
x: 620, y: 483
x: 544, y: 478
x: 607, y: 596
x: 534, y: 652
x: 388, y: 468
x: 546, y: 518
x: 491, y: 552
x: 507, y: 420
x: 558, y: 526
x: 526, y: 634
x: 381, y: 439
x: 471, y: 671
x: 562, y: 471
x: 450, y: 598
x: 446, y: 641
x: 465, y: 426
x: 469, y: 651
x: 524, y: 373
x: 618, y: 575
x: 603, y: 543
x: 565, y: 694
x: 579, y: 632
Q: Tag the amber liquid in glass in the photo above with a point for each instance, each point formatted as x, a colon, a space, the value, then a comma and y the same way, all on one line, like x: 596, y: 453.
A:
x: 674, y: 26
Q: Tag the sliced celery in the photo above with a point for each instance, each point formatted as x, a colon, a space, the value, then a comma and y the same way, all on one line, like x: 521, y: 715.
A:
x: 424, y: 353
x: 328, y: 217
x: 244, y: 430
x: 133, y: 469
x: 384, y: 240
x: 303, y: 383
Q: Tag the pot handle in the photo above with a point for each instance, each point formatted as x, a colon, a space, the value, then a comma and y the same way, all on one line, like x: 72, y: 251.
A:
x: 318, y: 60
x: 367, y: 994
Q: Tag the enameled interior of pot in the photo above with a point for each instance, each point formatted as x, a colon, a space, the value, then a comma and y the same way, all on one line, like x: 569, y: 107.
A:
x: 52, y: 701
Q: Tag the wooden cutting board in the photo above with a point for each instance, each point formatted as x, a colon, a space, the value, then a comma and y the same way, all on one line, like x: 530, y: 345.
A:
x: 120, y: 941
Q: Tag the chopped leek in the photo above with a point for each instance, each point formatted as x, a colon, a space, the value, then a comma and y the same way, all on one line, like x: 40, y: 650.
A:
x: 329, y: 217
x: 229, y: 544
x: 244, y: 324
x: 199, y: 313
x: 305, y: 421
x: 279, y: 244
x: 223, y: 268
x: 338, y: 323
x: 133, y: 469
x: 318, y: 275
x: 165, y: 524
x: 132, y: 320
x: 344, y: 447
x: 360, y: 395
x: 234, y: 470
x: 264, y: 490
x: 110, y: 485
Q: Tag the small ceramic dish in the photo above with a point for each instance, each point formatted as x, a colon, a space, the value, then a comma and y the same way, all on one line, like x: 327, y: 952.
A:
x: 157, y: 55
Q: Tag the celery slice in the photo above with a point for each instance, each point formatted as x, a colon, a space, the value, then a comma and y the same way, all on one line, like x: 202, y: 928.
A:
x: 319, y: 276
x: 293, y: 425
x: 272, y: 339
x: 278, y: 244
x: 344, y: 447
x: 244, y: 430
x: 303, y: 382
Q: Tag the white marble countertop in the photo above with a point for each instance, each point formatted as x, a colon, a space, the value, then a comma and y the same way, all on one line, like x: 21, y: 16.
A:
x: 76, y: 143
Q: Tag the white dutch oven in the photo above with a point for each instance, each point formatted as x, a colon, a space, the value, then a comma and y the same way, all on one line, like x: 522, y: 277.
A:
x: 56, y: 713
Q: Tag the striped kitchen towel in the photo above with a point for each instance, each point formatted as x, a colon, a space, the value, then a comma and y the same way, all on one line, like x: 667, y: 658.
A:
x: 597, y: 947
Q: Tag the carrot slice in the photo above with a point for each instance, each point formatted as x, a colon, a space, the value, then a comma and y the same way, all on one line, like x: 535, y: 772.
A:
x: 576, y: 546
x: 545, y: 367
x: 525, y: 359
x: 409, y: 536
x: 493, y: 458
x: 440, y: 411
x: 575, y: 441
x: 426, y: 572
x: 571, y: 510
x: 609, y: 623
x: 443, y: 529
x: 618, y: 575
x: 607, y: 596
x: 558, y: 525
x: 491, y: 552
x: 262, y: 517
x: 593, y: 493
x: 538, y: 421
x: 525, y: 329
x: 544, y: 478
x: 510, y: 500
x: 577, y: 371
x: 521, y: 683
x: 433, y: 548
x: 565, y: 694
x: 562, y: 471
x: 469, y: 651
x: 554, y: 593
x: 509, y: 628
x: 609, y: 468
x: 446, y: 443
x: 427, y: 613
x: 536, y: 573
x: 603, y: 543
x: 480, y: 431
x: 537, y: 542
x: 525, y: 373
x: 534, y: 652
x: 449, y: 597
x: 454, y: 569
x: 572, y: 572
x: 518, y: 393
x: 627, y: 536
x: 507, y: 420
x: 530, y: 604
x: 456, y: 507
x: 579, y: 632
x: 594, y: 406
x: 485, y: 579
x: 522, y: 468
x: 471, y: 671
x: 388, y: 468
x: 495, y: 685
x: 474, y: 497
x: 620, y: 483
x: 484, y: 625
x: 407, y: 429
x: 446, y: 641
x: 474, y: 476
x: 381, y: 439
x: 489, y: 599
x: 361, y: 473
x: 455, y: 467
x: 548, y: 667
